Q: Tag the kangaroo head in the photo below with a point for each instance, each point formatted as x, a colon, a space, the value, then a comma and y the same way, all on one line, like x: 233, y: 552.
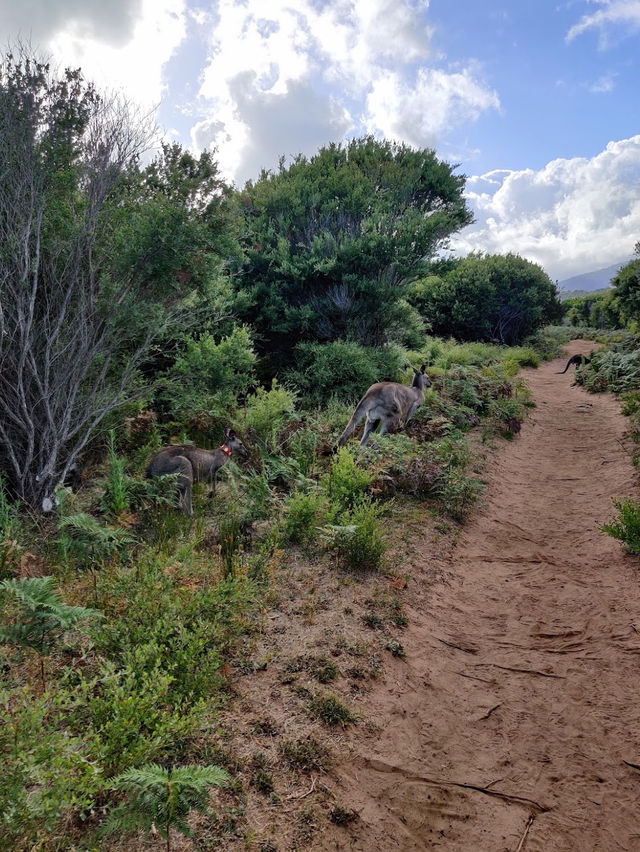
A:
x: 234, y: 443
x: 420, y: 379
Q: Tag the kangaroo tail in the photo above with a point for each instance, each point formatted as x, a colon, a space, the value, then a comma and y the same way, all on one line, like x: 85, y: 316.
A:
x: 358, y: 414
x: 569, y: 363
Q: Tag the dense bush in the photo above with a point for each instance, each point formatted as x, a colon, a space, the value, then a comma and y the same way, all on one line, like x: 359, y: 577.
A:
x: 489, y: 297
x: 342, y: 369
x: 331, y: 240
x: 210, y: 376
x: 611, y: 370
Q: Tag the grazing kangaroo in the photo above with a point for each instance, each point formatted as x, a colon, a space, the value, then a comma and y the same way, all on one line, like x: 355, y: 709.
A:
x: 195, y: 465
x: 578, y: 360
x: 387, y: 403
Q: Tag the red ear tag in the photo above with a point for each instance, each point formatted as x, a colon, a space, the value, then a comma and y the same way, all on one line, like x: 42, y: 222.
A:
x: 225, y: 449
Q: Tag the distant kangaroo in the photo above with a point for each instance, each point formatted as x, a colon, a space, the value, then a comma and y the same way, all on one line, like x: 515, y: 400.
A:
x: 387, y: 403
x: 195, y: 465
x: 578, y: 360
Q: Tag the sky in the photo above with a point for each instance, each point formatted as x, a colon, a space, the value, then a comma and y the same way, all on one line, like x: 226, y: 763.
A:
x: 536, y: 102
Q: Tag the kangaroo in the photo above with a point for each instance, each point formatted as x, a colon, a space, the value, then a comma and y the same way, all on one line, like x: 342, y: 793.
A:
x: 195, y: 465
x: 387, y: 403
x: 578, y: 360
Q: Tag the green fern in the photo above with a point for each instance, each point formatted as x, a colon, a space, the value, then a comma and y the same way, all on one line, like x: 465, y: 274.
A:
x: 43, y: 618
x: 162, y: 797
x: 92, y: 540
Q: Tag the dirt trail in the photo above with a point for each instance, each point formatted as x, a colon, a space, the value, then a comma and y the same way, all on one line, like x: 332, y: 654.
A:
x: 506, y: 726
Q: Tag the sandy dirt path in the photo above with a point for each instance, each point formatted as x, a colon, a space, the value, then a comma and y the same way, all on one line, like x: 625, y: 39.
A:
x: 507, y: 725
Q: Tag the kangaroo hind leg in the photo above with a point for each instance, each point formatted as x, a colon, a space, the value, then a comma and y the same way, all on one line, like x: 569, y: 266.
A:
x: 183, y: 467
x: 369, y: 426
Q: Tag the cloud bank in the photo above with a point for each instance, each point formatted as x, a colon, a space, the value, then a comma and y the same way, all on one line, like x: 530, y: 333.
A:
x: 571, y: 216
x: 287, y: 78
x: 121, y: 45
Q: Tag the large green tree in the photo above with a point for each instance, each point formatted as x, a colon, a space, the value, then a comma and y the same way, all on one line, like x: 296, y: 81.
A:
x: 492, y: 297
x: 626, y: 293
x: 331, y: 241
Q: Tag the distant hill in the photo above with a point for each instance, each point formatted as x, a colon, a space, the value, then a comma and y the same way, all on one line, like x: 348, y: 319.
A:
x: 599, y: 279
x: 579, y: 294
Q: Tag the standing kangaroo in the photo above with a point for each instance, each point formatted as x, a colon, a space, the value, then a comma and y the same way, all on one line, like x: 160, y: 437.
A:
x: 194, y: 465
x: 578, y: 360
x: 387, y: 403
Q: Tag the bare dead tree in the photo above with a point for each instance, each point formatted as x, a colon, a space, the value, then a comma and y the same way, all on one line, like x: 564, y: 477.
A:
x: 67, y: 356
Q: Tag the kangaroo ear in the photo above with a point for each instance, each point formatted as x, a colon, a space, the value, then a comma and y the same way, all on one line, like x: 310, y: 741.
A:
x: 422, y: 368
x: 230, y: 433
x: 227, y: 432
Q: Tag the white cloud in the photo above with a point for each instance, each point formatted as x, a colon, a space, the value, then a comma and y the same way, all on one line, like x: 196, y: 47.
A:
x: 421, y: 113
x: 611, y: 15
x: 288, y: 77
x: 571, y: 216
x: 39, y: 20
x: 120, y: 45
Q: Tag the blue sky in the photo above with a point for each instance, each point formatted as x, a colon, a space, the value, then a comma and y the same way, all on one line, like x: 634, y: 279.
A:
x: 538, y: 101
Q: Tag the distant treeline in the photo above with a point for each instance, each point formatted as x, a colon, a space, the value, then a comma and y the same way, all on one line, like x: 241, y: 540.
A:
x: 616, y: 307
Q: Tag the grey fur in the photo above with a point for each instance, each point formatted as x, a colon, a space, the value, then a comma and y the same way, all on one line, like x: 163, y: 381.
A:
x: 388, y: 403
x: 194, y: 465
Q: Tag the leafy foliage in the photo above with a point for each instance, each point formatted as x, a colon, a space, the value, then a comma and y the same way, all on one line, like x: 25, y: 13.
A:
x: 612, y: 370
x: 344, y: 369
x: 163, y: 797
x: 355, y: 537
x: 267, y: 411
x: 330, y: 241
x: 210, y: 376
x: 43, y: 618
x: 626, y: 527
x: 626, y: 294
x: 489, y: 297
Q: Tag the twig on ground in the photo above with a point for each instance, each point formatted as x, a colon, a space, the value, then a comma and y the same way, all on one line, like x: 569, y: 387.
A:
x: 486, y: 715
x: 522, y: 671
x: 297, y: 796
x: 459, y: 647
x: 526, y: 831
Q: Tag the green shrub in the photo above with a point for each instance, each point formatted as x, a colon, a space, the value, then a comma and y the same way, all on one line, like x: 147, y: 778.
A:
x: 347, y: 480
x: 267, y: 411
x: 135, y: 715
x: 48, y: 776
x: 509, y: 414
x: 302, y: 447
x: 524, y: 356
x: 626, y: 527
x: 330, y: 710
x: 356, y: 537
x: 611, y: 370
x: 84, y: 539
x: 457, y: 492
x: 343, y: 369
x: 209, y: 376
x: 163, y: 798
x: 42, y: 619
x: 304, y: 513
x: 116, y: 499
x: 630, y: 403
